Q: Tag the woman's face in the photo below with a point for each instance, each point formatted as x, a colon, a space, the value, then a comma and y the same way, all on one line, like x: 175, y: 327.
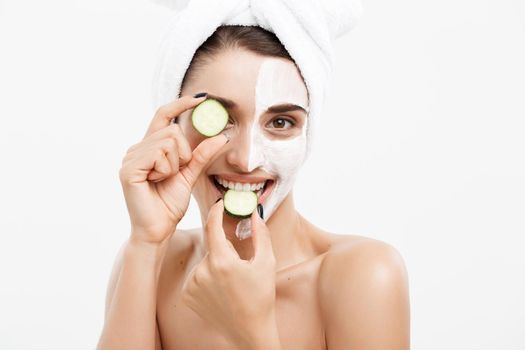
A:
x: 267, y: 104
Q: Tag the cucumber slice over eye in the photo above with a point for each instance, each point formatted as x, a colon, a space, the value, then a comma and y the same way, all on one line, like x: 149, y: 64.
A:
x: 240, y: 204
x: 209, y: 117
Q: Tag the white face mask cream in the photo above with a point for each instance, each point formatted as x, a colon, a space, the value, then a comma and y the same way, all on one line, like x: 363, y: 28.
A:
x: 278, y: 82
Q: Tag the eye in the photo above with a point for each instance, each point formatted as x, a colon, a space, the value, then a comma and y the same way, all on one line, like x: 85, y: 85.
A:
x: 281, y: 123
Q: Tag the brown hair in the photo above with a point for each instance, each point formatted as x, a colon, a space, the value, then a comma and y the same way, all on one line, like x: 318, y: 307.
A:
x: 252, y: 38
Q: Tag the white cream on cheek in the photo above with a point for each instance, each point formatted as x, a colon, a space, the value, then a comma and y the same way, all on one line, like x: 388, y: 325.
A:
x: 278, y: 81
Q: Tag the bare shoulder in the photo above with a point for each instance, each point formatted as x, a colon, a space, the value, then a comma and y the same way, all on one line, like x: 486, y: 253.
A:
x: 358, y: 255
x: 363, y: 262
x: 363, y: 291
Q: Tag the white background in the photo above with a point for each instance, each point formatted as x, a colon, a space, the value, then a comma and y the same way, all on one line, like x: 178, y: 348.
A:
x: 421, y: 145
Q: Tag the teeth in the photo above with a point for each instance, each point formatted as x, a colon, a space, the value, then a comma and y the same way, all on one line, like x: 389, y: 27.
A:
x: 238, y: 186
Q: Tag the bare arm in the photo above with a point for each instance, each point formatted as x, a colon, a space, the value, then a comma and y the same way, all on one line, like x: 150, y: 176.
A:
x: 365, y: 300
x: 130, y: 316
x: 157, y: 176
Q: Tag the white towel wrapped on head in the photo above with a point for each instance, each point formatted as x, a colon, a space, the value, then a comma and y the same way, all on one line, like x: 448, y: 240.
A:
x: 306, y: 28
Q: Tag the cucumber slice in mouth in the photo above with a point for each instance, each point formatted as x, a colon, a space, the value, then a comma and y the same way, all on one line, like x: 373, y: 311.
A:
x: 240, y: 204
x: 209, y: 117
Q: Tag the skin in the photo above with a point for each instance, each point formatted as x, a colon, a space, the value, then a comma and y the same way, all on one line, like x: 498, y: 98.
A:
x: 290, y: 285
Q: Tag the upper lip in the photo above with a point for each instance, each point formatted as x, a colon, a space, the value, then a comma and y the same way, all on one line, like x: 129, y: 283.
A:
x: 242, y: 178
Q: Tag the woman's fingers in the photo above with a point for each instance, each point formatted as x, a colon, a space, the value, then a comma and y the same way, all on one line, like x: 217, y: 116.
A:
x: 136, y: 167
x: 220, y: 249
x: 213, y: 231
x: 201, y: 155
x: 167, y: 112
x: 178, y: 154
x: 173, y: 159
x: 183, y: 147
x: 171, y: 156
x: 175, y: 146
x: 174, y: 132
x: 262, y: 243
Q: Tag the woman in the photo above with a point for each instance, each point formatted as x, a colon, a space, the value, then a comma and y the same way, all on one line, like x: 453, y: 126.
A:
x: 290, y: 285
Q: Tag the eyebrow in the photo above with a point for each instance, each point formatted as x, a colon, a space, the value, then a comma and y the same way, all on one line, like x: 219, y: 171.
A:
x: 280, y: 108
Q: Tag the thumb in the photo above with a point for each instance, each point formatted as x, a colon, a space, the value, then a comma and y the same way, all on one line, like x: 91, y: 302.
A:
x: 262, y: 243
x: 201, y: 155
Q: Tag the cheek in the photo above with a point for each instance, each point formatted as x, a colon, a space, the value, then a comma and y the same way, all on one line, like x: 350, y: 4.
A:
x: 285, y: 157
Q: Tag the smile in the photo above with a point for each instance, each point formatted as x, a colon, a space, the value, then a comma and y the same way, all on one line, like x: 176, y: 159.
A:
x: 262, y: 187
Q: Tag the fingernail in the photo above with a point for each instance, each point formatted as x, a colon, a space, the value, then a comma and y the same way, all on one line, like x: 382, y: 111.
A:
x: 260, y: 210
x: 200, y: 94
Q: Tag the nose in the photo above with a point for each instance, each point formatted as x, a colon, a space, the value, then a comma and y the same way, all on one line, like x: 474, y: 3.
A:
x: 241, y: 150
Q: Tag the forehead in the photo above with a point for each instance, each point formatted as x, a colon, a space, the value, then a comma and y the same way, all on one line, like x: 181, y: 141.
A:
x: 252, y: 81
x: 279, y: 81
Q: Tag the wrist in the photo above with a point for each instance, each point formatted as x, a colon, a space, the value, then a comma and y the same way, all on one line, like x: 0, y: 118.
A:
x: 263, y: 335
x: 134, y: 240
x: 151, y: 237
x: 140, y: 238
x: 148, y: 251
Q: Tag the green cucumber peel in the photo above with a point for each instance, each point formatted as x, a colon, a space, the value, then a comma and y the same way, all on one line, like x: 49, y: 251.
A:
x: 240, y: 204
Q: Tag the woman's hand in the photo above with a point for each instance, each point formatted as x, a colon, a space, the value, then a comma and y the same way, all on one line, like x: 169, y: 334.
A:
x: 235, y: 295
x: 158, y: 173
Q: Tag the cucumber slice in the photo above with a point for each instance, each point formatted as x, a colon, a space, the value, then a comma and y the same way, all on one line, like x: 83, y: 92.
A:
x: 240, y: 204
x: 209, y: 117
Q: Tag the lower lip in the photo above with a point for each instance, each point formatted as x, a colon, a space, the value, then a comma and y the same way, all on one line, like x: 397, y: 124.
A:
x: 267, y: 191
